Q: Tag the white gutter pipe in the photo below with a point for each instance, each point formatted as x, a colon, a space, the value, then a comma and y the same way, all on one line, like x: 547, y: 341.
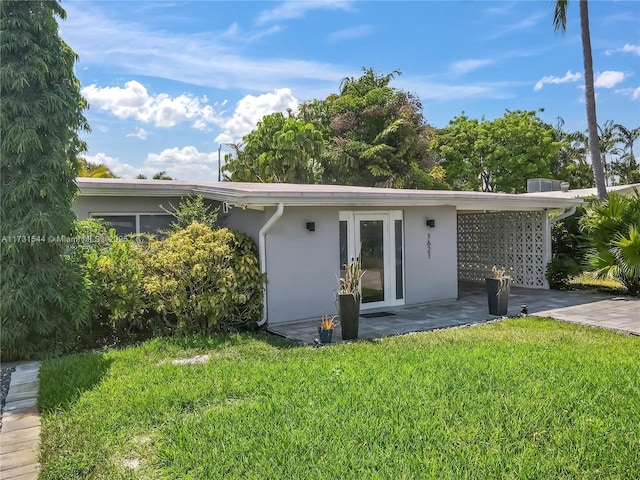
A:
x: 564, y: 215
x: 262, y: 246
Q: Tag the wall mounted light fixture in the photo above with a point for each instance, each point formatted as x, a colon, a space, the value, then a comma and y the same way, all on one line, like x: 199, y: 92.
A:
x: 431, y: 223
x: 311, y: 226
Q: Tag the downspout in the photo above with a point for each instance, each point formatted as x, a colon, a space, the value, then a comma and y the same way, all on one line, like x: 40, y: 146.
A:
x: 262, y: 246
x: 566, y: 214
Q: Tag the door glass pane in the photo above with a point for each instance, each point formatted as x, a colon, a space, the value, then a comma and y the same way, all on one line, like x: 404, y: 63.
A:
x: 398, y: 239
x: 372, y: 254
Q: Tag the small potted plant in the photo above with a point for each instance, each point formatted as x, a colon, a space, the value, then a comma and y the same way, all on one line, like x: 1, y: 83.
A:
x: 498, y: 288
x: 348, y: 297
x: 325, y: 328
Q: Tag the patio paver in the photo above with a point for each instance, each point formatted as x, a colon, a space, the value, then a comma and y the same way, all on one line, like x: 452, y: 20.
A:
x: 589, y: 308
x: 20, y: 435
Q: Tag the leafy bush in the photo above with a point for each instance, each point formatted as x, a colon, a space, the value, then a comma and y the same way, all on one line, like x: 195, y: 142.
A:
x: 569, y: 250
x: 193, y: 209
x: 612, y: 228
x: 200, y: 280
x: 113, y: 273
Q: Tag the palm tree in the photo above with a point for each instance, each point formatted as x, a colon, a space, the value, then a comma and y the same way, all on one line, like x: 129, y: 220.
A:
x: 609, y: 140
x: 162, y: 175
x: 93, y: 170
x: 628, y: 164
x: 560, y: 23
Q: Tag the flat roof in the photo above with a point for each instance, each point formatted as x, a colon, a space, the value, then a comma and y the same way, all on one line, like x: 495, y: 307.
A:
x: 588, y: 192
x: 270, y: 194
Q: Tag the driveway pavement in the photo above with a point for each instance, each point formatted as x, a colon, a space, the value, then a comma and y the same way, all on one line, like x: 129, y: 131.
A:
x: 617, y: 313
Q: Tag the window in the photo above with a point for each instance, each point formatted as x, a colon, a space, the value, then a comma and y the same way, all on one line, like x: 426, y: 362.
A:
x: 133, y: 223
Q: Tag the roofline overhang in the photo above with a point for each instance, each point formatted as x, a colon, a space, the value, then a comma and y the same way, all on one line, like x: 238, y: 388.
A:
x: 243, y: 195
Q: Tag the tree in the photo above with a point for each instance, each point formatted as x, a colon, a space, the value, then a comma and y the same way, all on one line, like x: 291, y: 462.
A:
x: 94, y: 170
x: 279, y: 150
x: 626, y: 167
x: 560, y: 23
x: 375, y: 134
x: 612, y: 229
x: 43, y: 299
x: 608, y: 137
x: 571, y: 164
x: 497, y: 155
x: 162, y: 176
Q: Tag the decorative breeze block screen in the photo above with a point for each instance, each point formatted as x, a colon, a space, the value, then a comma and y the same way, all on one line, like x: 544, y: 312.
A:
x: 514, y: 241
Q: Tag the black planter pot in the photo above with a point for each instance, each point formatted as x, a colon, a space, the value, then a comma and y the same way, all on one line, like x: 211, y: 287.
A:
x: 498, y: 294
x: 349, y: 309
x: 325, y: 335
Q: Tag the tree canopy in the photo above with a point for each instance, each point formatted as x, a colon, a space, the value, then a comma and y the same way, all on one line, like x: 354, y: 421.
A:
x: 367, y: 134
x: 41, y: 113
x: 281, y: 149
x: 497, y: 155
x: 372, y: 134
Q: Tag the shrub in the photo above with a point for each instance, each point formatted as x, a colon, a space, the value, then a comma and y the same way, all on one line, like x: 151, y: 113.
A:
x: 200, y: 280
x: 113, y: 275
x: 612, y: 229
x: 569, y: 250
x: 193, y: 209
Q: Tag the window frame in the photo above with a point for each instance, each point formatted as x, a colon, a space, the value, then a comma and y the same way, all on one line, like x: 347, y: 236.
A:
x: 136, y: 215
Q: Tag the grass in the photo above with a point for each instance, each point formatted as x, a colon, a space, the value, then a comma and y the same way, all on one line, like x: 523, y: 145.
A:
x: 520, y: 398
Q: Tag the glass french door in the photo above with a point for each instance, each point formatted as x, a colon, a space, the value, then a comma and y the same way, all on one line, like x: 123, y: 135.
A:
x: 376, y: 237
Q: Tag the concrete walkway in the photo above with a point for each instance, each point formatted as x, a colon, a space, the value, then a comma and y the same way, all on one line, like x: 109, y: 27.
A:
x: 20, y: 435
x: 589, y: 308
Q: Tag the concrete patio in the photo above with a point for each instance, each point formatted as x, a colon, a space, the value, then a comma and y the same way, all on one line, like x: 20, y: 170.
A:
x: 600, y: 310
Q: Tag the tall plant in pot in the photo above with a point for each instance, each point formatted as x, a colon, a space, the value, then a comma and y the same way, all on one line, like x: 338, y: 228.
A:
x: 498, y: 288
x: 349, y: 297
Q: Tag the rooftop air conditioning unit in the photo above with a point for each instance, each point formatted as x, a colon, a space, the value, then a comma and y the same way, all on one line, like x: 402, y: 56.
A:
x: 546, y: 185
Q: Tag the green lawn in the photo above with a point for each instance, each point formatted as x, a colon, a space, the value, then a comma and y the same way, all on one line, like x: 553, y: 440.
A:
x: 520, y: 398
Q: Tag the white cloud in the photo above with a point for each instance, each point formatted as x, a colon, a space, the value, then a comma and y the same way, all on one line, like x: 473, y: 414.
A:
x: 184, y: 156
x: 251, y: 109
x: 526, y: 23
x: 133, y: 101
x: 141, y: 133
x: 628, y: 48
x: 185, y: 163
x: 351, y: 33
x: 608, y: 79
x: 434, y: 92
x: 465, y: 66
x: 119, y: 168
x: 569, y: 77
x: 204, y: 59
x: 298, y: 9
x: 634, y: 93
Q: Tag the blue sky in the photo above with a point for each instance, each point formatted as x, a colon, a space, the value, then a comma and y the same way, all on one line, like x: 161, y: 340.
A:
x: 170, y: 81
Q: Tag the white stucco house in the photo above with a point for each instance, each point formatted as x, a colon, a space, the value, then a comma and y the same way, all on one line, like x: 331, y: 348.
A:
x: 415, y: 244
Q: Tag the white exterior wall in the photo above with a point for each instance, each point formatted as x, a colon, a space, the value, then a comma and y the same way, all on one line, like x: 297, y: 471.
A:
x: 247, y: 221
x: 433, y: 277
x: 302, y: 266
